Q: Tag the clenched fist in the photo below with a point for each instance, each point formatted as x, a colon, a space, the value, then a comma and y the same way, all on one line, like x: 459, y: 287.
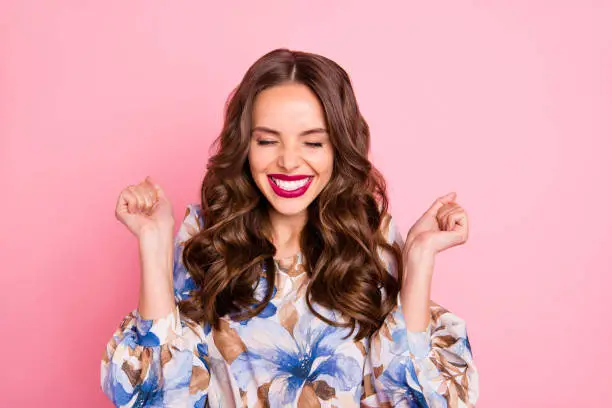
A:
x: 145, y: 207
x: 443, y: 226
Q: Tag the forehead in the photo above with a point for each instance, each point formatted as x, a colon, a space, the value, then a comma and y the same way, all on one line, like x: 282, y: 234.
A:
x: 290, y: 105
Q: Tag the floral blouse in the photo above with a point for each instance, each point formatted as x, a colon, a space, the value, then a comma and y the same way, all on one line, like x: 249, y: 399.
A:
x: 285, y: 356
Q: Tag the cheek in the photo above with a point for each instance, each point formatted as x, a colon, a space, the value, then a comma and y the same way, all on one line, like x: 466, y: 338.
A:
x: 258, y: 160
x: 324, y: 163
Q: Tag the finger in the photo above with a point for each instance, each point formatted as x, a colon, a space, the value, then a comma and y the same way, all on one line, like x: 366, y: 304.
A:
x: 140, y: 197
x: 149, y: 193
x: 446, y: 210
x: 440, y: 201
x: 149, y: 181
x: 443, y: 218
x: 154, y: 194
x: 149, y: 197
x: 143, y: 194
x: 158, y: 192
x: 458, y: 223
x: 131, y: 201
x: 446, y: 224
x: 142, y: 203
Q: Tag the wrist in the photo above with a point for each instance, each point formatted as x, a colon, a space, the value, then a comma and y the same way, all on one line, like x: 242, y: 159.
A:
x: 419, y: 263
x: 418, y: 251
x: 156, y: 251
x: 156, y: 235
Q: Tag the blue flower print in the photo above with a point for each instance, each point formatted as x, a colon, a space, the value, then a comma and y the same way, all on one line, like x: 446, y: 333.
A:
x: 183, y: 282
x: 401, y: 383
x: 260, y: 293
x: 289, y: 362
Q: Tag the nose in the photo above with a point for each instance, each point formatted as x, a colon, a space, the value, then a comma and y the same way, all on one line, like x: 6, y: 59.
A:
x: 289, y: 159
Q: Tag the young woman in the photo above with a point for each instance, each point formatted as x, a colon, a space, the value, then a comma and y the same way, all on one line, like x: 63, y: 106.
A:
x: 289, y: 285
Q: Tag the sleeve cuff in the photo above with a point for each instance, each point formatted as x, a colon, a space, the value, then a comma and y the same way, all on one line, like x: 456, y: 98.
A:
x: 416, y: 343
x: 419, y: 343
x: 156, y: 332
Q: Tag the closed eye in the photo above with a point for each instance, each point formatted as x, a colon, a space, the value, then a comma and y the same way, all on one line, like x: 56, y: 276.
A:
x: 265, y: 142
x: 314, y: 144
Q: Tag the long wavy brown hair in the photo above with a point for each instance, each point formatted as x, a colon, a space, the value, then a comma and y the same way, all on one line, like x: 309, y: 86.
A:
x: 339, y: 242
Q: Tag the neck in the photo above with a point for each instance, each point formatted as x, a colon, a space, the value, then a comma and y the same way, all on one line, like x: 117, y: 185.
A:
x: 286, y: 230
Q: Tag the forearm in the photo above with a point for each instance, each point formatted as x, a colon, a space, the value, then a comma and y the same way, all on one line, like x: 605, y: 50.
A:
x: 415, y: 293
x: 156, y: 287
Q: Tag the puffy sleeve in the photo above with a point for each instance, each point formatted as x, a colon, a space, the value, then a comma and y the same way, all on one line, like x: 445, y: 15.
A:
x: 433, y: 368
x: 164, y: 361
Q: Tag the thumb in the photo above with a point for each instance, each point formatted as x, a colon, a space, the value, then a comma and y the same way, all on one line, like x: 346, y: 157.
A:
x: 449, y: 239
x: 439, y: 203
x: 158, y: 190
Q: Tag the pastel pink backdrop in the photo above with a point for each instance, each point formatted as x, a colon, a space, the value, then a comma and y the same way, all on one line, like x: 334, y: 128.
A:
x: 507, y: 103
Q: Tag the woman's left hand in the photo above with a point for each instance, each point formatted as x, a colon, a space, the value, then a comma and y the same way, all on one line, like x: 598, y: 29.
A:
x: 444, y: 225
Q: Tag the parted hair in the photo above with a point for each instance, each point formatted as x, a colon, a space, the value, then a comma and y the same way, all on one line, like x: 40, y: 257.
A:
x: 343, y: 232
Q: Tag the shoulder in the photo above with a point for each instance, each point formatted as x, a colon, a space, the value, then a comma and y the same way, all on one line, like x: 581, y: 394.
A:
x: 393, y: 237
x: 192, y: 222
x: 390, y: 229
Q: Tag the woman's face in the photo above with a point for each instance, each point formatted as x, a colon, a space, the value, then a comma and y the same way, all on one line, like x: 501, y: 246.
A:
x: 290, y: 156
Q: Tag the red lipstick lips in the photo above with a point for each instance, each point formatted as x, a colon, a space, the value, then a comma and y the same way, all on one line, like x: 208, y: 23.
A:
x: 292, y: 189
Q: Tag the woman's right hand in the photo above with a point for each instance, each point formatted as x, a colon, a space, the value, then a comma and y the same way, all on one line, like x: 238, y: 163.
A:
x: 145, y: 207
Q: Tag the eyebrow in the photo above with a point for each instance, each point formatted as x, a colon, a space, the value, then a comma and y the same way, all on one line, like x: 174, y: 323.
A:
x: 277, y: 133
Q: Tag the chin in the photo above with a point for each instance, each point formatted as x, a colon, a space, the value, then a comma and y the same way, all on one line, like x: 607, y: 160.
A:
x: 289, y: 209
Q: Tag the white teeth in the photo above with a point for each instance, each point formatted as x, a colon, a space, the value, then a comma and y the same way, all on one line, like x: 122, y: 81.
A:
x: 291, y: 185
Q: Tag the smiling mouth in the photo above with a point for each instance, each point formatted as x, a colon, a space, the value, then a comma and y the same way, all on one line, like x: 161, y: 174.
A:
x: 285, y: 186
x: 292, y: 185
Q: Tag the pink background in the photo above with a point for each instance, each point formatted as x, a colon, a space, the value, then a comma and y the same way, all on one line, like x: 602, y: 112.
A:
x: 506, y: 102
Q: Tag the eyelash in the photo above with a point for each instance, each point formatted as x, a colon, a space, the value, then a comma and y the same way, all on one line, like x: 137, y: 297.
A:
x: 271, y: 142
